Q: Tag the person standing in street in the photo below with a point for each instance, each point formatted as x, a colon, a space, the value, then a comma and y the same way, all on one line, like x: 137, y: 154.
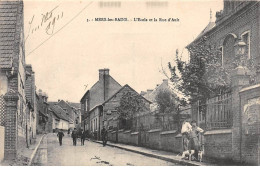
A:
x: 60, y: 135
x: 74, y: 137
x: 83, y: 137
x: 195, y: 144
x: 104, y: 136
x: 185, y: 131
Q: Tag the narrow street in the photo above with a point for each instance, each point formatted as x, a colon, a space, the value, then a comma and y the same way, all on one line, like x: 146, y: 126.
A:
x: 91, y: 154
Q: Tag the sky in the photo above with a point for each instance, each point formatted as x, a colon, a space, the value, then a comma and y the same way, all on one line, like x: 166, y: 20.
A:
x: 66, y: 48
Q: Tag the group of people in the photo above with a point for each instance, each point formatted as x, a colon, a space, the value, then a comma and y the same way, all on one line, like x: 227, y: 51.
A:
x: 82, y: 134
x: 191, y: 143
x: 190, y: 134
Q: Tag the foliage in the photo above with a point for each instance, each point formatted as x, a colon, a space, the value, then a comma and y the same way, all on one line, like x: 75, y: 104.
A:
x: 204, y: 75
x: 130, y: 103
x: 166, y: 102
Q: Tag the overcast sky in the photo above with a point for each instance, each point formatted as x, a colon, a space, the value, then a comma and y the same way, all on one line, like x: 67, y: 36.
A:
x: 67, y: 54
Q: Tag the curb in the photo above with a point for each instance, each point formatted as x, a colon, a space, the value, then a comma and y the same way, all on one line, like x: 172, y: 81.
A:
x: 182, y: 162
x: 35, y: 150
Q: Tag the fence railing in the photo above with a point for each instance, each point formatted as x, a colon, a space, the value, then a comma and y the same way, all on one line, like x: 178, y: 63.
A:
x: 218, y: 112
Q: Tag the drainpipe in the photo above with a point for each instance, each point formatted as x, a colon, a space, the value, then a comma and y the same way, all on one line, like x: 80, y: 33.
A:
x: 241, y: 116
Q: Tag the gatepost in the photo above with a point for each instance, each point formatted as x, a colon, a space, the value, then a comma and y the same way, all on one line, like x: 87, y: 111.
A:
x: 11, y: 128
x: 239, y: 78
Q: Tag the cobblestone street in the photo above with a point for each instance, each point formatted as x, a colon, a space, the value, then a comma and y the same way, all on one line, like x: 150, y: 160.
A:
x: 91, y: 154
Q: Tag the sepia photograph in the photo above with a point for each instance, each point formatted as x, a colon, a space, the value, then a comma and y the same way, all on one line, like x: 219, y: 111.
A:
x: 129, y: 83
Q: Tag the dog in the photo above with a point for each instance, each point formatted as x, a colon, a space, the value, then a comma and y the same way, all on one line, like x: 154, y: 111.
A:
x: 200, y: 154
x: 188, y: 153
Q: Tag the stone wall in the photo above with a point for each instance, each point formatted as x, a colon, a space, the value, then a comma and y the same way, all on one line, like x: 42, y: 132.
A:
x: 218, y: 144
x: 167, y: 139
x: 250, y: 125
x: 154, y: 139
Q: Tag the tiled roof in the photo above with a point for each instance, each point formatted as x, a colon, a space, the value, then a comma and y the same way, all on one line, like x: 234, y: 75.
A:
x: 125, y: 86
x: 206, y: 29
x: 59, y: 112
x: 75, y: 105
x: 210, y: 26
x: 9, y: 11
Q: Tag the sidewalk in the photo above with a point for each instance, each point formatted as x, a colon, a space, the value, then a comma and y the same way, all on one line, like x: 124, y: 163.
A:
x: 24, y: 158
x: 163, y: 155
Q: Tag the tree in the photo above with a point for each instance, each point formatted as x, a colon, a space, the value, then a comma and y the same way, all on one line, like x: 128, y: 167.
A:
x: 167, y: 103
x: 204, y: 75
x: 130, y: 104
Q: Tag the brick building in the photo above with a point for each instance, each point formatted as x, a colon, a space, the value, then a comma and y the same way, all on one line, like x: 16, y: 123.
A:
x: 104, y: 88
x: 42, y: 113
x: 14, y: 112
x: 105, y: 114
x: 225, y: 138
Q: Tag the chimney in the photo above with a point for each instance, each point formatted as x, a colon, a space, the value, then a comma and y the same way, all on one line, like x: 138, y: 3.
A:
x: 29, y: 67
x: 142, y: 93
x: 103, y: 78
x: 165, y: 80
x: 40, y: 92
x: 149, y: 91
x: 103, y: 72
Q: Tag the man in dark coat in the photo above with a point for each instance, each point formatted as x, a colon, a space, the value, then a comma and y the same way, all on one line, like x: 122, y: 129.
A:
x: 83, y: 137
x: 74, y: 137
x: 104, y: 136
x: 60, y: 135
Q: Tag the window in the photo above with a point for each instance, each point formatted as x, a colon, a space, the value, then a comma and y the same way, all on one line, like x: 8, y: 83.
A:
x: 86, y: 105
x: 228, y: 51
x: 246, y: 38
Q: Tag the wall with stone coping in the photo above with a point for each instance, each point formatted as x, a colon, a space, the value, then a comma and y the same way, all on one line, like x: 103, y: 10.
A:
x: 167, y: 140
x: 178, y: 144
x: 250, y: 124
x: 218, y: 144
x: 154, y: 139
x: 134, y: 138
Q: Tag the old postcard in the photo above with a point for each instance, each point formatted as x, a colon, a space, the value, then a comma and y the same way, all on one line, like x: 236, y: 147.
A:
x: 129, y: 83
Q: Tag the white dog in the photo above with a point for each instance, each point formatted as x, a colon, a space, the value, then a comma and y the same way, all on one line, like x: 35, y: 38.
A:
x: 201, y: 153
x: 188, y: 153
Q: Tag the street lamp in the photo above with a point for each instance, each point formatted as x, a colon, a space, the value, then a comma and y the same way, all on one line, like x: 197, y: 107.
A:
x: 240, y: 49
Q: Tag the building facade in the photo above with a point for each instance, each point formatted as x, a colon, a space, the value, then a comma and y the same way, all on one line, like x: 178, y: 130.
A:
x: 104, y: 88
x: 222, y: 116
x: 16, y: 111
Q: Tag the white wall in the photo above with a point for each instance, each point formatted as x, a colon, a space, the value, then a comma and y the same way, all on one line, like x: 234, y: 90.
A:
x: 3, y: 84
x: 63, y: 125
x: 2, y: 142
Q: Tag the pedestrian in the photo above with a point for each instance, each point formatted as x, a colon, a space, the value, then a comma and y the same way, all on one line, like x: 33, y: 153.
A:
x: 83, y: 137
x: 74, y: 137
x: 60, y: 135
x: 194, y: 140
x: 185, y: 131
x: 104, y: 136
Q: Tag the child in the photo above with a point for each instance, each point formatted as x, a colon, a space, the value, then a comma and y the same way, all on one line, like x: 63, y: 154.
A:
x: 194, y: 140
